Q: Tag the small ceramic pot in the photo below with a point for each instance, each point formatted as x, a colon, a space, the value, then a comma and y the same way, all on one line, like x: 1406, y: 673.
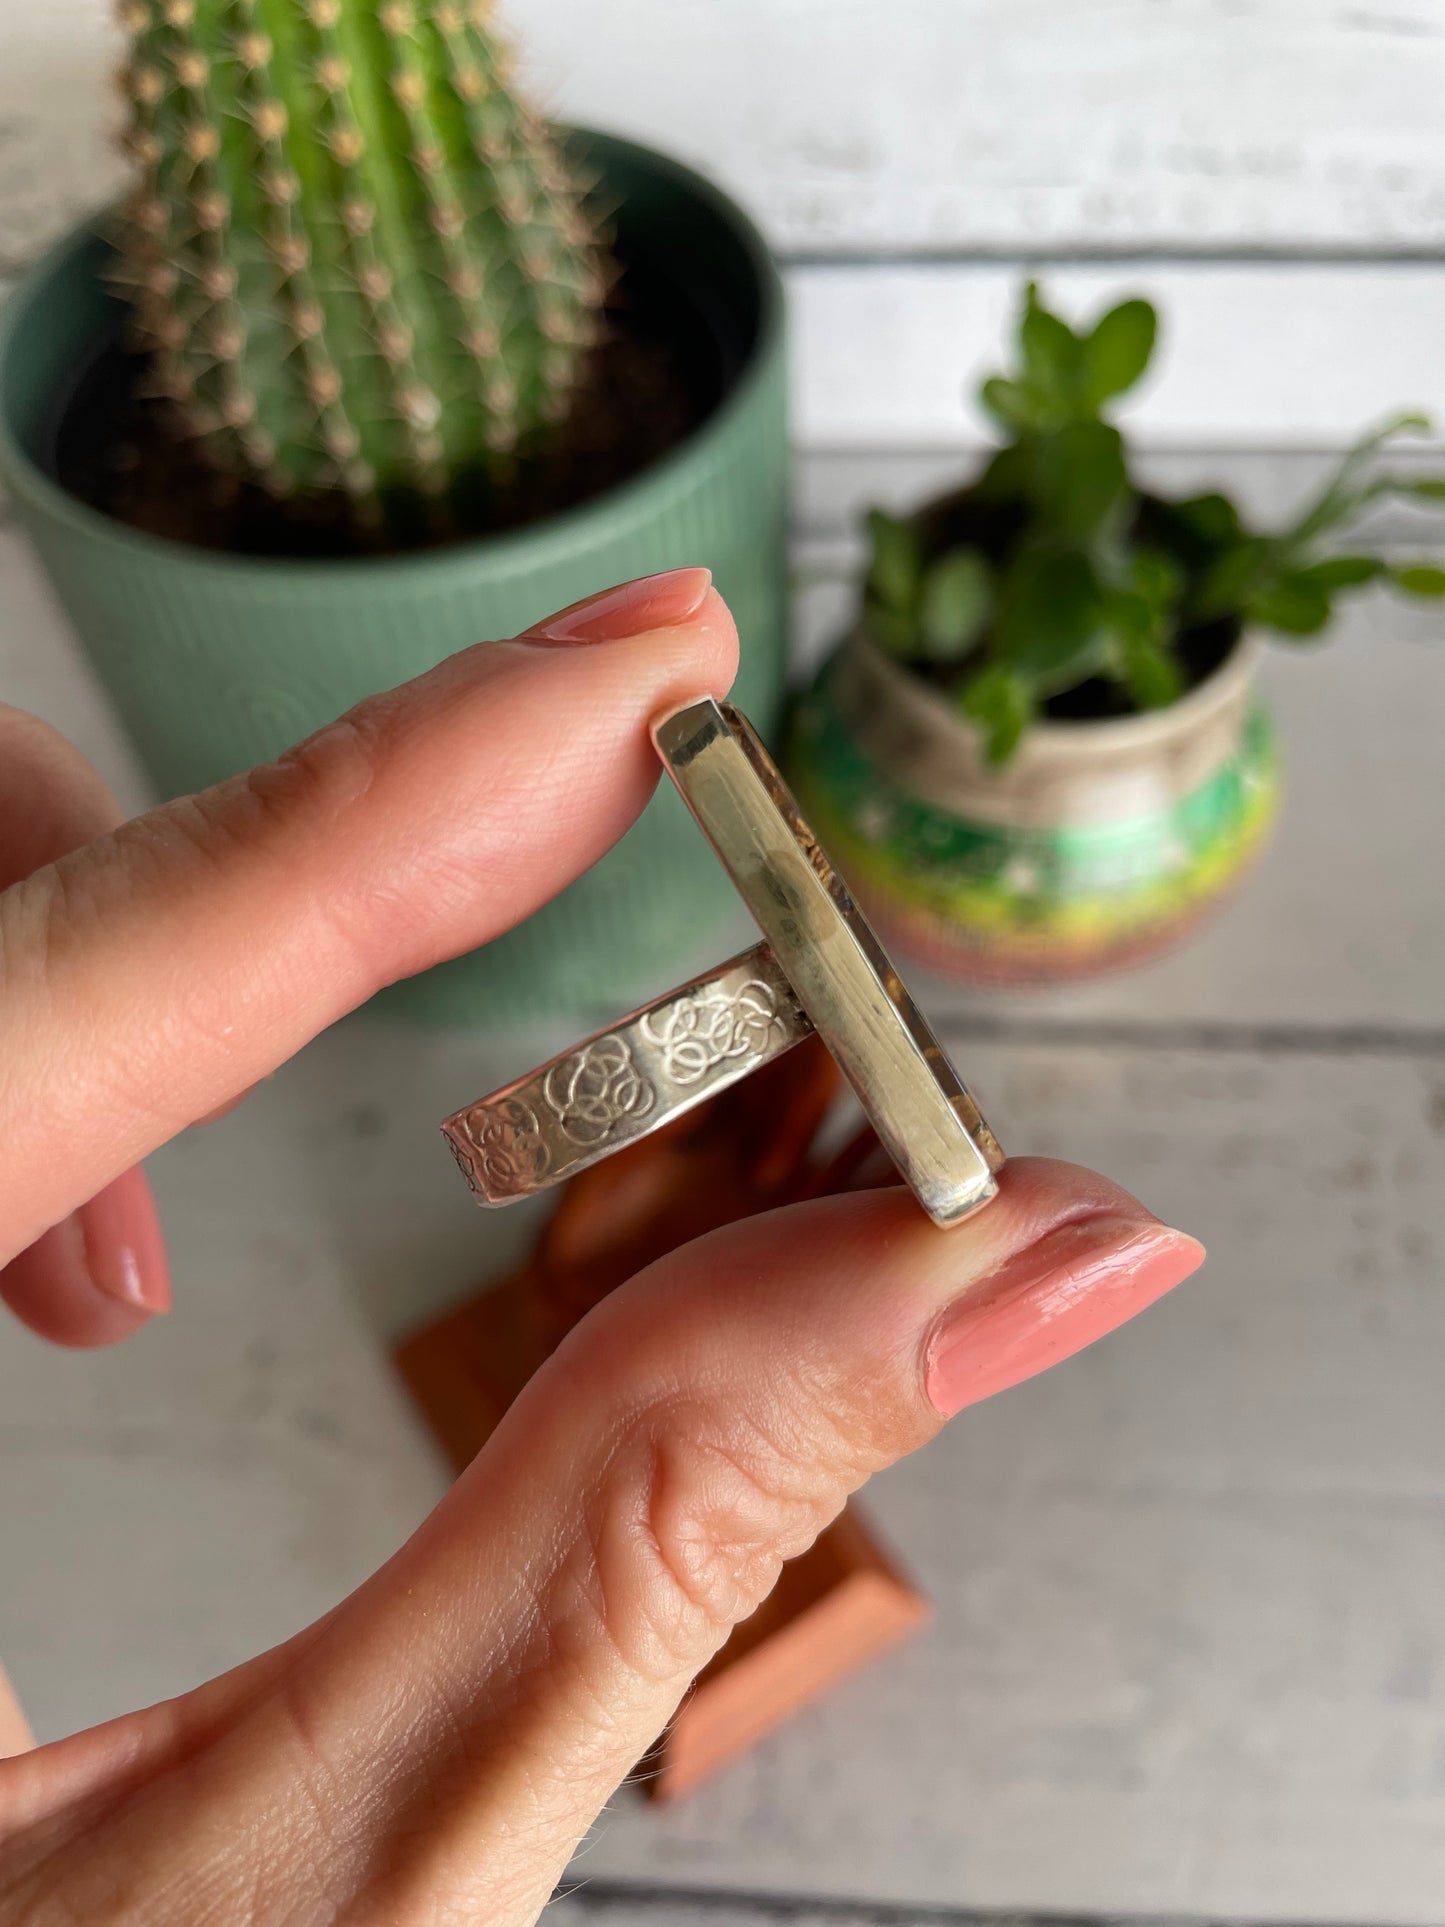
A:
x: 1097, y: 845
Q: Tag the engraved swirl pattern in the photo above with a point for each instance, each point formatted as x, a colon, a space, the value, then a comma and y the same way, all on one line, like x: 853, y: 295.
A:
x: 698, y: 1034
x: 596, y: 1089
x: 512, y: 1153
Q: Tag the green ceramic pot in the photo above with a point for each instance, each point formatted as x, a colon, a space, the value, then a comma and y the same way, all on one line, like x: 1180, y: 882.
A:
x: 217, y: 661
x: 1099, y: 844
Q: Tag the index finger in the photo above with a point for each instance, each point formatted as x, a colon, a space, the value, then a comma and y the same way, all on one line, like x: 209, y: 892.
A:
x: 147, y: 977
x: 98, y: 1275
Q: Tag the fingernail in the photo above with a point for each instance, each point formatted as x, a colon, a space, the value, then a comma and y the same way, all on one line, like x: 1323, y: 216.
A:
x: 1075, y: 1284
x: 631, y: 609
x: 121, y: 1264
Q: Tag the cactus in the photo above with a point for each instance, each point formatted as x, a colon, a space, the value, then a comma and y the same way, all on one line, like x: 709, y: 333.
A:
x: 358, y: 261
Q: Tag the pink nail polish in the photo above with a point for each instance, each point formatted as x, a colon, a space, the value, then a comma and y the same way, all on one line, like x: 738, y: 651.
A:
x: 124, y: 1252
x: 1075, y: 1284
x: 120, y: 1276
x: 631, y: 609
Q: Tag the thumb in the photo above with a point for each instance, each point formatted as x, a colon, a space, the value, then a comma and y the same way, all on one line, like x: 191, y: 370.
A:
x: 454, y: 1729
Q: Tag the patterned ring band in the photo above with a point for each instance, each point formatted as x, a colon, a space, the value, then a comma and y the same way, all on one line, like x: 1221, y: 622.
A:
x: 820, y: 968
x: 628, y: 1079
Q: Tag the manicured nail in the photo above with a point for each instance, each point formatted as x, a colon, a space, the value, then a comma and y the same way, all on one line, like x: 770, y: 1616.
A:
x: 1075, y: 1284
x: 124, y: 1254
x: 631, y: 609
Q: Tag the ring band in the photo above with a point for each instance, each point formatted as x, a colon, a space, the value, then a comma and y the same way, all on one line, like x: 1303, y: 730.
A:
x: 820, y: 968
x: 628, y: 1079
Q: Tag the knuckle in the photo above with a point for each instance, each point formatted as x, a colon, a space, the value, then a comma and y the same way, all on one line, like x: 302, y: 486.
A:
x: 311, y: 785
x: 691, y: 1524
x: 317, y: 780
x: 49, y: 918
x: 301, y: 800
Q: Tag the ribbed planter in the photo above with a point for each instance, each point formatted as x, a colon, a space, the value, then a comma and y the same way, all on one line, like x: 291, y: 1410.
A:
x: 1099, y: 844
x: 217, y: 661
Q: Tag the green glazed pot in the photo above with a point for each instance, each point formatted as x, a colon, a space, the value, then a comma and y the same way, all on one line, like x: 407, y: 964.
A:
x: 1099, y: 844
x: 218, y: 661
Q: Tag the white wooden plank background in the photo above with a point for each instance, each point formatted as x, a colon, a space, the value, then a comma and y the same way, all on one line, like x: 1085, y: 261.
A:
x: 948, y: 125
x: 1295, y: 146
x: 1252, y: 354
x: 939, y: 125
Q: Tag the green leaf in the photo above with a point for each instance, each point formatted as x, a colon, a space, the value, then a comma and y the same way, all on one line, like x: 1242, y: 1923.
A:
x: 1129, y: 618
x: 1428, y: 490
x: 1348, y: 491
x: 1237, y: 574
x: 1339, y: 572
x: 1140, y: 628
x: 1155, y: 577
x: 1151, y: 675
x: 895, y: 572
x: 1007, y: 476
x: 1002, y: 704
x: 1213, y: 518
x: 1118, y: 351
x: 1052, y: 353
x: 1079, y: 478
x: 1292, y: 606
x: 955, y: 604
x: 1010, y: 403
x: 1419, y: 578
x: 895, y: 629
x: 1049, y: 626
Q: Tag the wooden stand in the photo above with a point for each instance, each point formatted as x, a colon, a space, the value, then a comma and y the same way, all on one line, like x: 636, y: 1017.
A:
x: 842, y: 1601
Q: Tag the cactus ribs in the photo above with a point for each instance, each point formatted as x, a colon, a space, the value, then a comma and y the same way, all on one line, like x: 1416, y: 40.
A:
x: 654, y: 376
x: 359, y: 258
x: 365, y: 284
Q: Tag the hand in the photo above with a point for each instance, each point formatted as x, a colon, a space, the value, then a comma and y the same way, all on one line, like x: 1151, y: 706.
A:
x: 433, y: 1748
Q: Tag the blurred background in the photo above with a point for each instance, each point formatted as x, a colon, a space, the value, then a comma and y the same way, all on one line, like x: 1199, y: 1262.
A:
x: 1269, y: 169
x: 1187, y: 1655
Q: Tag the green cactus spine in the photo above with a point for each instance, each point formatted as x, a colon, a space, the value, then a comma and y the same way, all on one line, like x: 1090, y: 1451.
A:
x: 359, y: 262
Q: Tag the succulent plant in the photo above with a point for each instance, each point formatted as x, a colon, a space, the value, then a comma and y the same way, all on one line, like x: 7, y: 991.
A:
x: 359, y: 261
x: 1079, y: 577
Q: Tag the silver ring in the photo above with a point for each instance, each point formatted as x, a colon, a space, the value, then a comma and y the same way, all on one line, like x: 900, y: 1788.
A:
x: 819, y: 968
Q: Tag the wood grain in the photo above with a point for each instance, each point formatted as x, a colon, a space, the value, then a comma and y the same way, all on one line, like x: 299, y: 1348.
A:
x: 1295, y: 147
x: 943, y: 125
